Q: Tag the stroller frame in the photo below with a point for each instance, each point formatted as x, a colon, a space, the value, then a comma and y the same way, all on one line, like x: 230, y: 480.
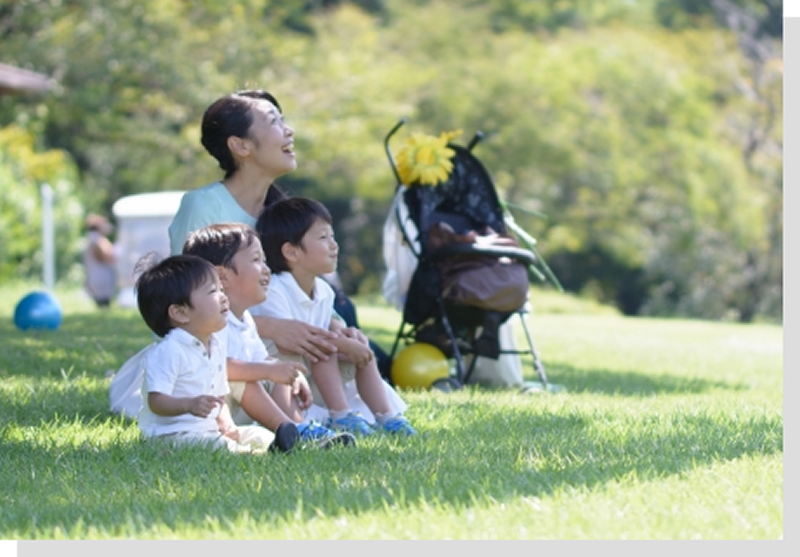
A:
x: 446, y: 314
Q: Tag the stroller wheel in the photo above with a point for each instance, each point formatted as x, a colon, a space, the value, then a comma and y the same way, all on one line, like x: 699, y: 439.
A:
x: 446, y: 384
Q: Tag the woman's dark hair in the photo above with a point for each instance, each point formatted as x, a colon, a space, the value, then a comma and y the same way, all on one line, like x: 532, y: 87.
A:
x: 219, y: 243
x: 170, y: 281
x: 274, y: 194
x: 229, y: 116
x: 287, y: 220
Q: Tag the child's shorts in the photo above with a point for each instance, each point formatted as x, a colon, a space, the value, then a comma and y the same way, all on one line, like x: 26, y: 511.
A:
x: 252, y: 439
x: 234, y: 399
x: 347, y: 371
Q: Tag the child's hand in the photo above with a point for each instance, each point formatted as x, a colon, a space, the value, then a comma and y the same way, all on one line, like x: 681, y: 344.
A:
x: 296, y: 337
x: 355, y: 334
x: 225, y: 423
x: 285, y: 373
x: 302, y: 392
x: 202, y: 406
x: 355, y: 352
x: 229, y: 429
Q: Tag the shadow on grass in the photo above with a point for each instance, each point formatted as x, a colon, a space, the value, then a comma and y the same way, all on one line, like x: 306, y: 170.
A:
x: 77, y: 400
x: 143, y: 486
x: 628, y: 383
x: 602, y: 381
x: 63, y: 372
x: 93, y: 342
x: 469, y: 455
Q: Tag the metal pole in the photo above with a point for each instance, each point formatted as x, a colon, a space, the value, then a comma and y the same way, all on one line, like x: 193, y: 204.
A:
x: 47, y: 236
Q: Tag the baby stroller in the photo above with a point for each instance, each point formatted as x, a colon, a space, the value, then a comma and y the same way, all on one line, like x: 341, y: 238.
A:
x: 459, y: 275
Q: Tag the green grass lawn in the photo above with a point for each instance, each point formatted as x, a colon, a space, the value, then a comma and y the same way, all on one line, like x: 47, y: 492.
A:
x: 666, y: 429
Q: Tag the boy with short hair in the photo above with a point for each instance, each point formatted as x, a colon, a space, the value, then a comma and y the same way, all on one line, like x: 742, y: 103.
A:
x: 263, y: 388
x: 297, y: 236
x: 181, y: 300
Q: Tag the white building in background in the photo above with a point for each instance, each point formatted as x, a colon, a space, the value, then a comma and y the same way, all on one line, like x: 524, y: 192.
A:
x: 142, y: 222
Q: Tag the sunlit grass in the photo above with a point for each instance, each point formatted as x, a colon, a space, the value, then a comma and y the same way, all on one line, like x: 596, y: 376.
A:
x: 666, y: 429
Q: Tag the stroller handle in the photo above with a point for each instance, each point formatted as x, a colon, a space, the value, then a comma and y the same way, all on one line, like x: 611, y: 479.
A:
x: 475, y: 139
x: 389, y: 135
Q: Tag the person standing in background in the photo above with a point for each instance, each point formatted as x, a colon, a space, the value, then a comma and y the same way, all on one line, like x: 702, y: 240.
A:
x: 99, y: 261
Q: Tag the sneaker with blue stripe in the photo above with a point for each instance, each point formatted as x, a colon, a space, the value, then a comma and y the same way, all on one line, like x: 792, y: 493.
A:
x: 353, y: 423
x: 398, y: 425
x: 313, y: 433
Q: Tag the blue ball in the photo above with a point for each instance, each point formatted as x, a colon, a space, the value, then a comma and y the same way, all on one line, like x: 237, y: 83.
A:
x: 38, y: 310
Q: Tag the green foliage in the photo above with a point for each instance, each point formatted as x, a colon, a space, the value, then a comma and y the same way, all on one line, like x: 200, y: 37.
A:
x: 649, y: 133
x: 766, y: 15
x: 633, y: 167
x: 553, y: 15
x: 23, y: 173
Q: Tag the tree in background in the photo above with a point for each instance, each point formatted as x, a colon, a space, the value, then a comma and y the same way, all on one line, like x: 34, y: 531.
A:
x: 647, y: 132
x: 23, y: 171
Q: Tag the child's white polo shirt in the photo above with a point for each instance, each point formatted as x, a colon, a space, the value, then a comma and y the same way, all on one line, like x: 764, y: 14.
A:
x: 243, y: 341
x: 245, y: 345
x: 179, y: 366
x: 288, y: 301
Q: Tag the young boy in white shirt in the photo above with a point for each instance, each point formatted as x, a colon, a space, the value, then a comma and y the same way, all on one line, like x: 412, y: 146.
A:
x: 298, y: 240
x: 264, y: 389
x: 181, y: 300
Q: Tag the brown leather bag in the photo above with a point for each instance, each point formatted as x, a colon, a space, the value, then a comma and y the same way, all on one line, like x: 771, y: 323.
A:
x: 484, y: 281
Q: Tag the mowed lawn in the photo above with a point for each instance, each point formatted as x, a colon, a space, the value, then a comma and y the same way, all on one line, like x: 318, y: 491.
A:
x: 664, y: 429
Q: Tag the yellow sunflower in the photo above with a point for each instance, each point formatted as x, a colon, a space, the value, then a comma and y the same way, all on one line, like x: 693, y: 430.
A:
x: 425, y: 159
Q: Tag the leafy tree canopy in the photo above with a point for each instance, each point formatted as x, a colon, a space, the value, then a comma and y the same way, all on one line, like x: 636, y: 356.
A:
x: 649, y: 133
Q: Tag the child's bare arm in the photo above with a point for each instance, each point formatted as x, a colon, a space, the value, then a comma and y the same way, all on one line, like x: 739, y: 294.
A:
x: 166, y: 405
x: 354, y: 333
x: 295, y: 337
x: 225, y: 423
x: 277, y: 371
x: 351, y: 343
x: 354, y: 351
x: 340, y: 328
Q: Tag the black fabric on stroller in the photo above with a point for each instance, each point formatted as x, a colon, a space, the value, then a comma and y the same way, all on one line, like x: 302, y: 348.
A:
x: 460, y: 228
